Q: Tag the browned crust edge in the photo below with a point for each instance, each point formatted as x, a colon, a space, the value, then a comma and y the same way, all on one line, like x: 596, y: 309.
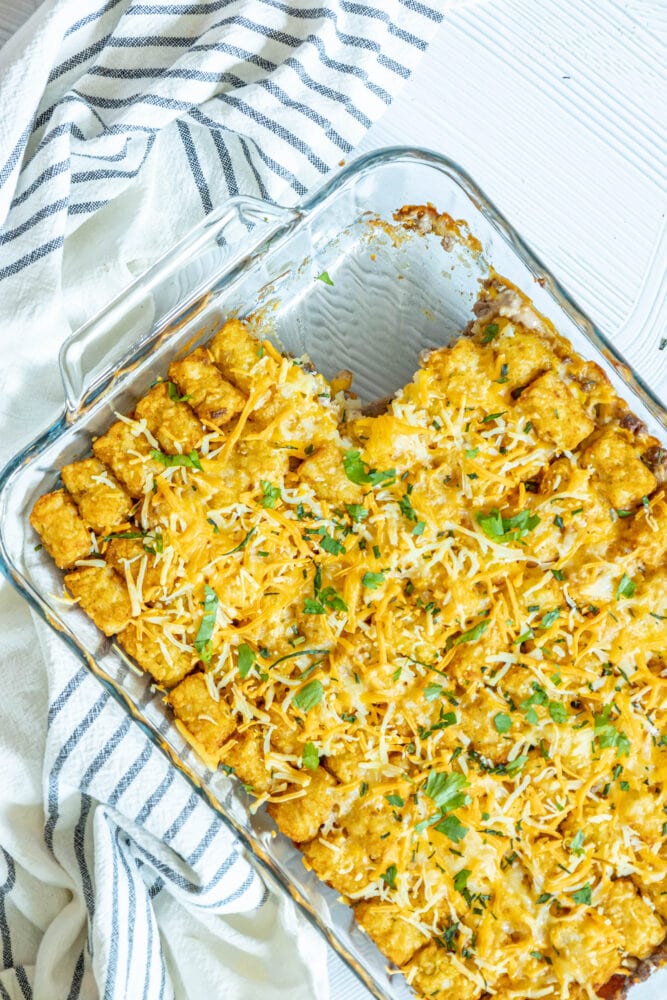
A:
x: 619, y: 986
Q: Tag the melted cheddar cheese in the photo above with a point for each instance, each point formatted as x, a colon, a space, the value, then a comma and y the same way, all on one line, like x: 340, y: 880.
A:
x: 433, y: 640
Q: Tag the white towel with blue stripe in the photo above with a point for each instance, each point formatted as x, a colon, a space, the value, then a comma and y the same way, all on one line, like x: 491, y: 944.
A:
x: 123, y: 123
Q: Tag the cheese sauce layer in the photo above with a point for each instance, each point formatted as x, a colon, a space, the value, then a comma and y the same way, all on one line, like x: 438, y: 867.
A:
x: 433, y: 640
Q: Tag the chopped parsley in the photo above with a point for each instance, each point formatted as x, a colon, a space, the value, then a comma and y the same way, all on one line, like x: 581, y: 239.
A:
x: 461, y: 879
x: 310, y: 757
x: 491, y: 330
x: 607, y: 735
x: 471, y: 635
x: 538, y: 697
x: 158, y: 543
x: 395, y: 800
x: 445, y: 720
x: 242, y: 544
x: 325, y: 600
x: 329, y: 543
x: 583, y: 895
x: 448, y: 937
x: 202, y: 642
x: 270, y: 494
x: 357, y: 512
x: 507, y: 529
x: 558, y: 712
x: 124, y: 534
x: 513, y: 767
x: 309, y: 696
x: 174, y: 394
x: 372, y: 580
x: 446, y: 790
x: 502, y: 722
x: 189, y: 461
x: 432, y: 692
x: 313, y: 607
x: 290, y: 656
x: 452, y: 827
x: 358, y: 472
x: 389, y: 877
x: 246, y: 659
x: 405, y: 506
x: 325, y: 278
x: 550, y: 618
x: 626, y: 588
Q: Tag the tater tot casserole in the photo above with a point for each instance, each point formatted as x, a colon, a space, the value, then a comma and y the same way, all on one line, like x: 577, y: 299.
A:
x: 431, y: 640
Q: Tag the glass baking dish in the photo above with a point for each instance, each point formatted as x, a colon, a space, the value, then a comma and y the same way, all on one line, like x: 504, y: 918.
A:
x: 386, y: 294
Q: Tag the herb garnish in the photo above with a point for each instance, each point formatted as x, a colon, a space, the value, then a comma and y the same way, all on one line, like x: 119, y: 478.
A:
x: 432, y: 692
x: 246, y: 658
x: 190, y: 461
x: 242, y: 544
x: 491, y: 330
x: 452, y: 827
x: 358, y: 472
x: 507, y: 529
x: 607, y: 735
x: 626, y: 587
x: 325, y: 599
x: 357, y: 512
x: 405, y: 505
x: 502, y: 722
x: 310, y: 757
x: 270, y: 494
x: 329, y: 543
x: 174, y: 394
x: 557, y: 711
x: 583, y: 895
x: 202, y: 642
x: 309, y: 696
x: 124, y: 534
x: 550, y: 618
x: 461, y: 879
x: 445, y: 789
x: 445, y: 719
x: 390, y: 876
x: 471, y: 635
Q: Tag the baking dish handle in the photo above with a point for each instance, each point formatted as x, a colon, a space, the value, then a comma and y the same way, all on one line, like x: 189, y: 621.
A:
x: 227, y: 240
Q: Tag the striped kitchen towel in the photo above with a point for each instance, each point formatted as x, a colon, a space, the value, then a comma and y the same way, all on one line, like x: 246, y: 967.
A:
x: 122, y: 124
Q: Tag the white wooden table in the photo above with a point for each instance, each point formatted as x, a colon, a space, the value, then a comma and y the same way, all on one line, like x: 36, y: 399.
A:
x: 558, y: 109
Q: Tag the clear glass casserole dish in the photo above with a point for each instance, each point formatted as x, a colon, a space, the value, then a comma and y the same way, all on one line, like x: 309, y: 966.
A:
x: 394, y: 293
